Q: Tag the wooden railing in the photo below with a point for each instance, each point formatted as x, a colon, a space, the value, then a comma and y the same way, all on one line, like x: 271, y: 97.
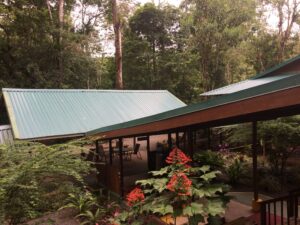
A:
x: 281, y: 211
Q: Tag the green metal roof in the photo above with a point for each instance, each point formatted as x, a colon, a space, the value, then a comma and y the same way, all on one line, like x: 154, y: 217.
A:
x: 44, y: 113
x: 242, y: 85
x: 259, y: 79
x: 275, y: 86
x: 277, y: 67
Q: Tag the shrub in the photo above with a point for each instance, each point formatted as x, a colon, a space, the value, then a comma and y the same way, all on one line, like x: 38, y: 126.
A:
x: 176, y: 190
x: 270, y: 183
x: 235, y: 171
x: 213, y: 159
x: 91, y: 208
x: 35, y: 178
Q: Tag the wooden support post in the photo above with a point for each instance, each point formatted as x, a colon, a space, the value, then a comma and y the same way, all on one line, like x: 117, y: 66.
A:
x: 194, y: 138
x: 169, y: 142
x: 96, y: 153
x: 208, y: 139
x: 148, y: 153
x: 177, y: 139
x: 190, y: 142
x: 184, y: 139
x: 97, y: 145
x: 254, y: 160
x: 221, y: 138
x: 134, y: 142
x: 121, y: 167
x: 110, y: 152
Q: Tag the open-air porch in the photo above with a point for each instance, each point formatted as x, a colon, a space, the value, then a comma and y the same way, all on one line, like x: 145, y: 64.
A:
x: 273, y: 99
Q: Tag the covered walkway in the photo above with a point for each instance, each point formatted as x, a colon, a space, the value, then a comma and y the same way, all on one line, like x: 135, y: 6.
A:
x: 253, y: 103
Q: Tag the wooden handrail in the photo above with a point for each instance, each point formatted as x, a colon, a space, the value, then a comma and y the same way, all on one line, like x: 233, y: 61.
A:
x: 269, y: 210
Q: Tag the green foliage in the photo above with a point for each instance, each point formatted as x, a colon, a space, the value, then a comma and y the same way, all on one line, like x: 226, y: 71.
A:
x: 153, y: 54
x: 35, y: 178
x: 91, y: 208
x: 235, y: 171
x: 80, y: 202
x: 218, y: 30
x: 91, y: 218
x: 31, y: 46
x: 208, y: 157
x: 206, y: 198
x: 280, y: 138
x: 187, y: 50
x: 270, y: 183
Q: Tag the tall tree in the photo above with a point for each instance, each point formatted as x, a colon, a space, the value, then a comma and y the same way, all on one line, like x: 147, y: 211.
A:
x: 61, y: 27
x: 30, y: 48
x: 118, y: 43
x: 288, y: 12
x: 217, y: 27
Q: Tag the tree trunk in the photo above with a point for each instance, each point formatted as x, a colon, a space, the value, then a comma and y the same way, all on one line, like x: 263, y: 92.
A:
x: 49, y: 10
x: 61, y: 26
x: 118, y: 44
x: 154, y: 64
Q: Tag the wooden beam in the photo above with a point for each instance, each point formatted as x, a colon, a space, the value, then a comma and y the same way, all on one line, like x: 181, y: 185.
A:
x: 254, y: 160
x: 121, y: 167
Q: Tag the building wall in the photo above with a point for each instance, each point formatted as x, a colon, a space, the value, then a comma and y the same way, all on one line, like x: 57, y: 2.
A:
x: 6, y: 135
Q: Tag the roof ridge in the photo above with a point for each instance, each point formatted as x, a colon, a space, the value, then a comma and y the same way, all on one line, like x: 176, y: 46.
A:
x: 276, y: 67
x: 78, y: 90
x: 236, y: 84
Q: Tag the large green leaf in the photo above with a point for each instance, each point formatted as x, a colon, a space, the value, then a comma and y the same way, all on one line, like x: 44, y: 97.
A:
x: 193, y: 209
x: 215, y: 207
x: 162, y: 171
x: 145, y: 182
x: 207, y: 191
x: 160, y: 184
x: 204, y: 168
x: 209, y: 176
x: 163, y: 209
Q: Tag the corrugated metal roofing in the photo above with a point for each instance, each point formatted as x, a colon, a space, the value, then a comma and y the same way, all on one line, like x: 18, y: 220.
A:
x: 239, y: 86
x: 40, y: 113
x: 271, y: 87
x: 262, y: 78
x: 277, y: 67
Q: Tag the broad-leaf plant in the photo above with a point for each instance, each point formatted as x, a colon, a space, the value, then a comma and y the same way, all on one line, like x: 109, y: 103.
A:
x: 176, y: 190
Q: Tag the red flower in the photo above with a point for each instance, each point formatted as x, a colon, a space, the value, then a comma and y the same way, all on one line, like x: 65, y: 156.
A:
x: 135, y: 196
x: 176, y: 156
x: 180, y: 184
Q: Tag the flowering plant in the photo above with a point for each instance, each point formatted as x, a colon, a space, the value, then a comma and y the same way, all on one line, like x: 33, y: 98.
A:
x: 176, y: 190
x: 180, y: 184
x: 135, y: 196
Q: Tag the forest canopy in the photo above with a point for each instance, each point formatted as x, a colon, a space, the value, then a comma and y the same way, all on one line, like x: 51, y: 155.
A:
x: 187, y: 50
